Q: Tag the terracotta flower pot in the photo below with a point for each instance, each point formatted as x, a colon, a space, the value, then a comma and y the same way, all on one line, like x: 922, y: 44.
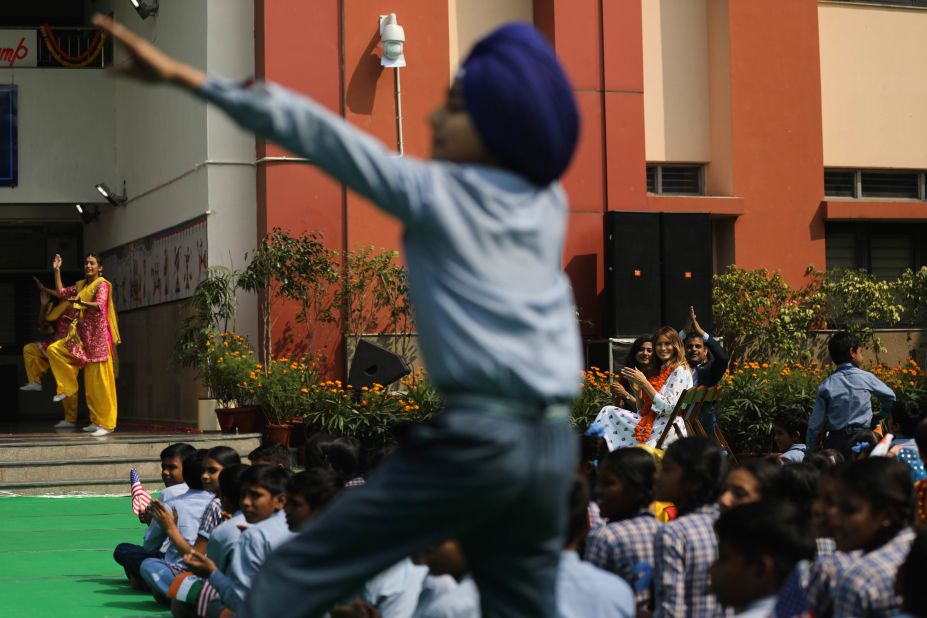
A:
x: 226, y: 418
x: 277, y: 434
x: 249, y: 419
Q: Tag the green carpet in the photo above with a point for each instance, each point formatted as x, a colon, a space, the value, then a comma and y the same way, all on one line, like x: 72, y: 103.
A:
x: 56, y: 558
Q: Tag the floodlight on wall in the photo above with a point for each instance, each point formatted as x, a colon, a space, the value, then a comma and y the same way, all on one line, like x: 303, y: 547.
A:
x: 145, y: 9
x: 392, y: 39
x: 88, y: 214
x: 113, y: 198
x: 392, y: 42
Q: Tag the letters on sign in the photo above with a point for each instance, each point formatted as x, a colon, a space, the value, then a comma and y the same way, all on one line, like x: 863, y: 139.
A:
x: 18, y: 48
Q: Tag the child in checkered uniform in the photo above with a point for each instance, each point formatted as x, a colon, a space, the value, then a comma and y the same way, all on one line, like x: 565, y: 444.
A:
x: 691, y: 477
x: 624, y: 491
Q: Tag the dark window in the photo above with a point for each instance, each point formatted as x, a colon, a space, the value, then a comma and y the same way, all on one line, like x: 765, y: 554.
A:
x: 681, y: 179
x: 675, y: 179
x: 890, y: 255
x: 896, y: 184
x: 841, y: 250
x: 840, y: 183
x: 651, y: 179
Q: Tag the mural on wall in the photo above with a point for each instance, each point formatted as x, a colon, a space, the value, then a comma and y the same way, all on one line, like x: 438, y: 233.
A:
x: 163, y: 267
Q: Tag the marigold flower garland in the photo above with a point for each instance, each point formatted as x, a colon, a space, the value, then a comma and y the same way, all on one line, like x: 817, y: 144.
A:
x: 644, y: 427
x: 65, y: 59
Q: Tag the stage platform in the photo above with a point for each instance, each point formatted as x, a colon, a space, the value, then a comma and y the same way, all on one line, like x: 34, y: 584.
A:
x: 37, y: 460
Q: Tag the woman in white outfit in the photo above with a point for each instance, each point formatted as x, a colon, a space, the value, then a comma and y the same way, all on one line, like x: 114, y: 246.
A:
x: 657, y: 397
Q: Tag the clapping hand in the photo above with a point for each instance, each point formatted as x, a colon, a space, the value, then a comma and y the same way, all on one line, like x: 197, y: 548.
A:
x: 619, y: 390
x: 167, y: 519
x: 199, y: 564
x: 633, y: 375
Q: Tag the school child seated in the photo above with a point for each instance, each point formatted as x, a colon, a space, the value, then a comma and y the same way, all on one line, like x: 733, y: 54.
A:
x: 748, y: 482
x: 271, y: 455
x: 844, y: 402
x: 691, y: 477
x: 583, y: 590
x: 789, y: 431
x: 344, y: 455
x: 759, y: 546
x: 861, y: 445
x: 875, y: 500
x: 263, y: 496
x: 189, y: 594
x: 624, y: 546
x: 448, y: 591
x: 910, y: 579
x: 906, y: 415
x: 920, y: 487
x: 216, y: 458
x: 186, y: 510
x: 130, y: 556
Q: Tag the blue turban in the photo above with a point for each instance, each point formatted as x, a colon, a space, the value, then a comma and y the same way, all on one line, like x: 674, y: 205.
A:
x: 521, y: 102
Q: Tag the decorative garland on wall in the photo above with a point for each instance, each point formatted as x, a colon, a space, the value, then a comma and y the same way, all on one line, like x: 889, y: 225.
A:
x: 67, y: 60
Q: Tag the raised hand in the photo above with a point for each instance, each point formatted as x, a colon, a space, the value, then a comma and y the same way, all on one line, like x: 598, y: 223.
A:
x: 167, y: 519
x: 56, y: 264
x: 633, y: 374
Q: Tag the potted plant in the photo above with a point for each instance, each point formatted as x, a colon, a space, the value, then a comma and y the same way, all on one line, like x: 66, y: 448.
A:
x: 212, y: 309
x: 228, y: 363
x: 280, y: 388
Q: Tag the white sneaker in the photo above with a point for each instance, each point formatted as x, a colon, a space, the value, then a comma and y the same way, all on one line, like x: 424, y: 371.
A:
x: 100, y: 432
x: 59, y: 397
x: 64, y: 425
x: 91, y: 427
x: 32, y: 386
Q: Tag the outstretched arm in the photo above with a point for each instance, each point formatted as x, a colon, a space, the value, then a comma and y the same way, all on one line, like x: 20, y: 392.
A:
x: 56, y: 266
x: 399, y: 186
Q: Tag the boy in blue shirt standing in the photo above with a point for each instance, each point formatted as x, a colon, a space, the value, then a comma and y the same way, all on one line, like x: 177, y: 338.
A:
x: 484, y: 231
x: 843, y: 407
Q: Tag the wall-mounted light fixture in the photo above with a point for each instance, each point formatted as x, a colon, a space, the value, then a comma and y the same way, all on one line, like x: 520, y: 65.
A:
x: 88, y: 214
x: 392, y: 38
x: 113, y: 198
x: 145, y: 9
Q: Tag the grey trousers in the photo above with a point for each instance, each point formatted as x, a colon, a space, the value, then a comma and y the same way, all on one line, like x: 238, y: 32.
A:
x: 497, y: 483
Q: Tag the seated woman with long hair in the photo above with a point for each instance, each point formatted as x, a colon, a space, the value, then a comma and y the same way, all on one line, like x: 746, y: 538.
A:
x: 656, y: 397
x: 640, y: 356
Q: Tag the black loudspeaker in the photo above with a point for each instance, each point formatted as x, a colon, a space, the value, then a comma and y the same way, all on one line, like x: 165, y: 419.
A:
x: 687, y: 268
x: 632, y: 273
x: 375, y: 365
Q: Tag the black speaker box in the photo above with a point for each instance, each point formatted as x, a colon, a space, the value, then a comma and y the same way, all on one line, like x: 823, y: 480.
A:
x: 375, y: 365
x: 632, y: 273
x: 686, y: 267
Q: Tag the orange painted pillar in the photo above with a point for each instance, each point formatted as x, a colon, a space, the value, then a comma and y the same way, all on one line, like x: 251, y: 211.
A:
x: 777, y: 142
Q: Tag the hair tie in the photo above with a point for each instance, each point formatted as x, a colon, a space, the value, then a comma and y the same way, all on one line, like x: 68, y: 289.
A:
x: 859, y: 447
x: 595, y: 430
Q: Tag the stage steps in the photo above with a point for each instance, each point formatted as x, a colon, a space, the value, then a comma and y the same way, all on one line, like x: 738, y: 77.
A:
x: 73, y: 464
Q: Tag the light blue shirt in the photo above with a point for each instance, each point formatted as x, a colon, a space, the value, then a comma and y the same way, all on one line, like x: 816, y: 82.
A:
x: 493, y: 308
x: 584, y: 591
x: 761, y: 608
x: 794, y: 454
x: 168, y: 493
x: 395, y: 591
x: 254, y: 545
x: 444, y: 597
x: 845, y: 398
x: 223, y: 540
x: 190, y: 506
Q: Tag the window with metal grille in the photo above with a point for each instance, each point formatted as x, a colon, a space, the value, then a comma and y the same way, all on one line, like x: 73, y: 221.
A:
x: 890, y: 184
x: 840, y: 183
x: 890, y: 255
x: 676, y: 179
x: 840, y: 250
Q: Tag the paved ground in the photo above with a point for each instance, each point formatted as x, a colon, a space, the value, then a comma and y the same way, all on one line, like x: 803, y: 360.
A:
x: 56, y: 558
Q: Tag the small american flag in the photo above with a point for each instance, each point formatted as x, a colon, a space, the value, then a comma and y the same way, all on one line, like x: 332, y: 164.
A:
x: 140, y: 496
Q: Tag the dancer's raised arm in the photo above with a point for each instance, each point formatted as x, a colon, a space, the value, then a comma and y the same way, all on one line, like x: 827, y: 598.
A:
x: 56, y: 266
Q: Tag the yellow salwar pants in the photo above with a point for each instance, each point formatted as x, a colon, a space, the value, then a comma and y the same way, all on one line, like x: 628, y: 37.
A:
x: 36, y: 366
x: 99, y: 383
